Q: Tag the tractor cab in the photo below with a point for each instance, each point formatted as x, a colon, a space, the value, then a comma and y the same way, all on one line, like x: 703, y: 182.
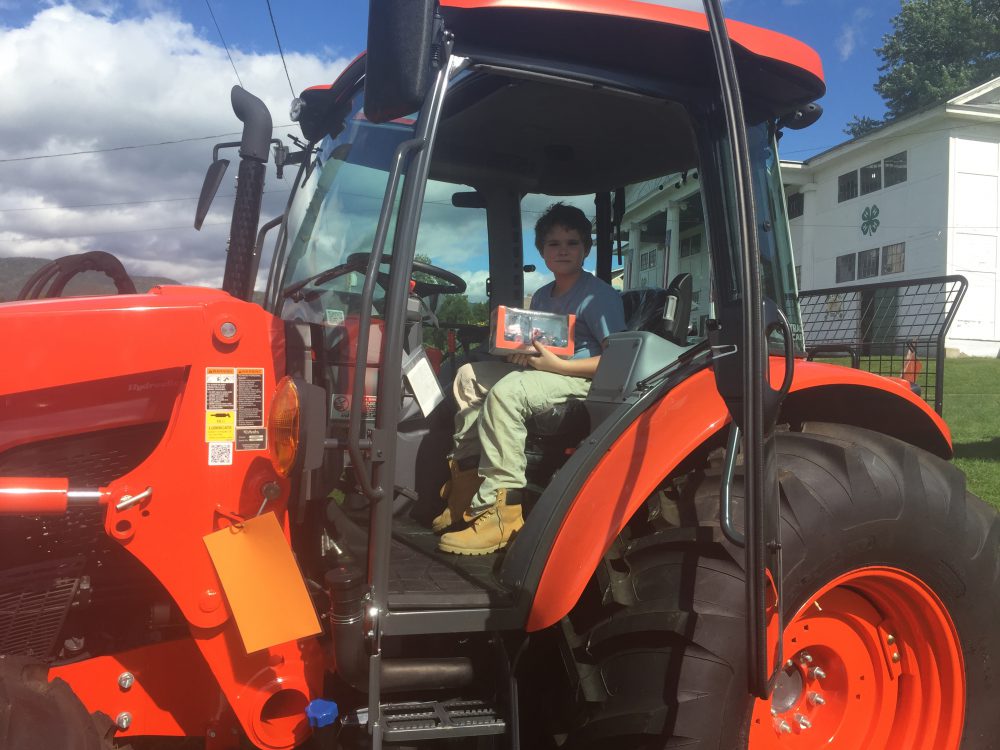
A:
x: 393, y: 212
x: 218, y: 521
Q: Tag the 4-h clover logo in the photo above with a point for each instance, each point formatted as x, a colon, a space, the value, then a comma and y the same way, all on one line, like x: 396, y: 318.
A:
x: 869, y: 220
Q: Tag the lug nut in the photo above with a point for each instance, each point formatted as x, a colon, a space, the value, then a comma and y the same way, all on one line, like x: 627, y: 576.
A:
x: 782, y: 726
x: 123, y: 720
x: 817, y: 673
x: 805, y: 658
x: 126, y: 680
x: 802, y: 721
x: 816, y: 699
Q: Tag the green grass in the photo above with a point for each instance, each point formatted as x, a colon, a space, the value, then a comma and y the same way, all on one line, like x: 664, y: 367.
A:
x: 972, y: 411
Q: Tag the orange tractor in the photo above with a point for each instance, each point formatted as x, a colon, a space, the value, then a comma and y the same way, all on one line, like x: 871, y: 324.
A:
x: 215, y: 513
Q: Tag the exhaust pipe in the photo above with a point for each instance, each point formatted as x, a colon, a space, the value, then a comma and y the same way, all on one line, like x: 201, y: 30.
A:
x: 239, y: 279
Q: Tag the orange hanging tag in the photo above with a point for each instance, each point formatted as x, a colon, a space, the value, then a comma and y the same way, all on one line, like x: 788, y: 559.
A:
x: 262, y: 583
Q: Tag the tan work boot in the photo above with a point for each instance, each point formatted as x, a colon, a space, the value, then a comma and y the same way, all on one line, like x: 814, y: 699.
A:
x: 458, y: 491
x: 488, y: 532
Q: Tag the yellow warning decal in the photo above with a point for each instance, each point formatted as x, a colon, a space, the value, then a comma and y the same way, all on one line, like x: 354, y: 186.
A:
x: 220, y: 426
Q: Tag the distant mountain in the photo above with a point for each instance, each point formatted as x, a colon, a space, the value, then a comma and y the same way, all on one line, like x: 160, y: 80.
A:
x: 14, y: 272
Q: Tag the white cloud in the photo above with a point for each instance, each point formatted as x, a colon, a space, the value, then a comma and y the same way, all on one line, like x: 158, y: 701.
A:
x: 849, y: 32
x: 80, y: 78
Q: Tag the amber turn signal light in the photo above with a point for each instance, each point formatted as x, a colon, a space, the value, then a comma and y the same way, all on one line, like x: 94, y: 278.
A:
x: 283, y: 426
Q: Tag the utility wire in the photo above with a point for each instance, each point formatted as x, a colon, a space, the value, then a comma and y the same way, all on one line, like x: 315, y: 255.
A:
x: 34, y: 238
x: 224, y: 42
x: 280, y: 51
x: 127, y: 148
x: 120, y: 203
x: 116, y: 148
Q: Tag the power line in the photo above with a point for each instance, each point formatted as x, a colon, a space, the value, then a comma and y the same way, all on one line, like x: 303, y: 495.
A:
x: 119, y: 203
x: 117, y: 148
x: 25, y: 237
x: 128, y: 148
x: 224, y: 42
x: 280, y: 51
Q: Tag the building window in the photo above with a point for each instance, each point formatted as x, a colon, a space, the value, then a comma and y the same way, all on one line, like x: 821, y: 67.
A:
x: 690, y: 245
x: 871, y: 178
x: 647, y: 259
x: 796, y: 205
x: 845, y: 267
x: 894, y: 257
x: 895, y: 169
x: 847, y: 187
x: 868, y: 263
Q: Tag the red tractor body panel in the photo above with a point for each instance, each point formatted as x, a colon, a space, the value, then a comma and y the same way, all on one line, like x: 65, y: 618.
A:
x: 96, y: 363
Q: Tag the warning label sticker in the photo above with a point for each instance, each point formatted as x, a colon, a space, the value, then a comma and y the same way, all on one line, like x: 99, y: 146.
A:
x: 249, y: 397
x: 219, y: 426
x: 234, y: 412
x: 340, y: 406
x: 220, y: 388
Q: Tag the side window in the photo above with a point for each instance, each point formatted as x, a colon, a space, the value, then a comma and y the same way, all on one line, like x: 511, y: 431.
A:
x: 845, y: 267
x: 796, y: 205
x: 895, y: 169
x: 871, y: 178
x: 868, y: 263
x: 664, y: 235
x: 847, y: 186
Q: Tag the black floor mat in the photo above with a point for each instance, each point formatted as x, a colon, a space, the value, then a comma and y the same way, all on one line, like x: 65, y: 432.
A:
x: 422, y: 577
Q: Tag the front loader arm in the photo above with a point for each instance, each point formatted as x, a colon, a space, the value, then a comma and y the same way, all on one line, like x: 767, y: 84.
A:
x: 210, y: 471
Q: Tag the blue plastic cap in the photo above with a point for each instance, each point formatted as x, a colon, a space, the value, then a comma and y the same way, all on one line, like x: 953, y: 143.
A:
x: 322, y: 713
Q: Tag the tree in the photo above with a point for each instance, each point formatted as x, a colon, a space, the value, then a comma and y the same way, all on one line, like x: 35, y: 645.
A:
x: 936, y: 50
x: 859, y: 126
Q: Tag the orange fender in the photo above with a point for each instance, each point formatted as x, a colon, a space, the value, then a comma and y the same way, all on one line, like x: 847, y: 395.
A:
x: 669, y: 431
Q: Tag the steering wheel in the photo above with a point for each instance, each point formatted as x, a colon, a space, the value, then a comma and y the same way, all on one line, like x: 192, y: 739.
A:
x: 57, y: 273
x: 451, y: 283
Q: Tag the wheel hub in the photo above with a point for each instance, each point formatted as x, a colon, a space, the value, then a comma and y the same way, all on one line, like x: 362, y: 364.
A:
x: 874, y: 655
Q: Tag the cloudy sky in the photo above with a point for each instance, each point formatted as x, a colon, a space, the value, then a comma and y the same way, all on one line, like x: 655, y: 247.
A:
x: 110, y: 111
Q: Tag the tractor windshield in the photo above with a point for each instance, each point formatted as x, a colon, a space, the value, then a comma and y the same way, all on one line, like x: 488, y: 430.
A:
x: 332, y: 219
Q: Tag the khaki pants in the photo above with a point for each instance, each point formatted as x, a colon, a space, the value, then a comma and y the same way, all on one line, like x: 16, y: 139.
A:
x: 494, y: 401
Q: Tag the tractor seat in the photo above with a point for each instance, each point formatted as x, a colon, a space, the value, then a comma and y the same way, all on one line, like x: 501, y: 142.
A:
x: 665, y: 312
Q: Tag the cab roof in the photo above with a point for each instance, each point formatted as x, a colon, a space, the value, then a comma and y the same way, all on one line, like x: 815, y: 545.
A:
x: 777, y: 73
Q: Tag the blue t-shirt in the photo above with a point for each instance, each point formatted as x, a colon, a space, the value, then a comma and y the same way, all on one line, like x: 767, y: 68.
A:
x: 598, y: 309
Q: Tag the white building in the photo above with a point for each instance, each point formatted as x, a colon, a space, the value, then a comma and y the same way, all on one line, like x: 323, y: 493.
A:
x: 917, y: 198
x: 920, y: 197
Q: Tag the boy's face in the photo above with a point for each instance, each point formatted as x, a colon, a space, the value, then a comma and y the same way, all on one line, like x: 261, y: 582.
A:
x: 563, y: 251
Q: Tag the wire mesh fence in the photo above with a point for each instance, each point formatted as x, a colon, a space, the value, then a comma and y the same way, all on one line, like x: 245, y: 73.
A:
x: 895, y: 329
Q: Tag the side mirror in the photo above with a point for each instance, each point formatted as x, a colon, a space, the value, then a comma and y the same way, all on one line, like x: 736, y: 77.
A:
x: 403, y: 54
x: 213, y: 178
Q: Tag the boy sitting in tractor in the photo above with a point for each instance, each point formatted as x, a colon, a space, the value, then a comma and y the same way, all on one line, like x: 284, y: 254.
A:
x: 496, y: 398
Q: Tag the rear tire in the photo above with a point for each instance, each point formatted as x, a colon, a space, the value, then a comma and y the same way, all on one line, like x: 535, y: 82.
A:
x: 662, y: 662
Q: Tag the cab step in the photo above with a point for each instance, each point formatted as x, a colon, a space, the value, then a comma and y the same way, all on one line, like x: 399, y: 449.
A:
x: 431, y: 720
